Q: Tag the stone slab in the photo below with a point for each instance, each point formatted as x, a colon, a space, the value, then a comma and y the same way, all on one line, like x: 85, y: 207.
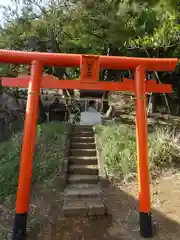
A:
x: 75, y: 178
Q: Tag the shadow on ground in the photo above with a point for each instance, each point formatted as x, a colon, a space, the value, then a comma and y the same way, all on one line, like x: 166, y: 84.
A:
x: 122, y: 223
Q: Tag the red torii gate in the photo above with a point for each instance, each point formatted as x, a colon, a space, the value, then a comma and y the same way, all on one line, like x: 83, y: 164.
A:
x: 89, y: 80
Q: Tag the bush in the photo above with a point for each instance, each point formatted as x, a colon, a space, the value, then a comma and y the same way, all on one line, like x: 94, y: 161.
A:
x: 49, y: 152
x: 117, y: 145
x: 164, y: 149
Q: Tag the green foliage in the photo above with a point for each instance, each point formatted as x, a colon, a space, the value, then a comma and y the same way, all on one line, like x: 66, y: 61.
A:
x: 163, y: 40
x: 4, y: 233
x: 164, y: 148
x: 140, y: 28
x: 48, y: 157
x: 118, y: 149
x: 117, y: 144
x: 75, y: 113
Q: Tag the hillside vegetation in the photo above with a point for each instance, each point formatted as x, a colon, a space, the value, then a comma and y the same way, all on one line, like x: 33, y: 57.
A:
x: 48, y: 157
x: 117, y: 144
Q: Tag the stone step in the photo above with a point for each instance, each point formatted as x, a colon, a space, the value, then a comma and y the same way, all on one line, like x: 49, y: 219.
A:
x: 84, y: 207
x: 73, y: 191
x: 83, y: 169
x: 83, y: 145
x: 83, y: 160
x: 82, y: 131
x: 79, y: 178
x: 79, y: 130
x: 82, y: 139
x: 84, y: 153
x: 82, y: 134
x: 83, y: 186
x: 82, y: 127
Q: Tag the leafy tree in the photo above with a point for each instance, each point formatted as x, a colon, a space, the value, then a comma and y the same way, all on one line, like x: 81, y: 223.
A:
x: 108, y: 27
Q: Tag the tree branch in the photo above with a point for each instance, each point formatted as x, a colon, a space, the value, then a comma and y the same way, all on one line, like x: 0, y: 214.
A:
x: 94, y: 34
x: 158, y: 78
x: 143, y: 48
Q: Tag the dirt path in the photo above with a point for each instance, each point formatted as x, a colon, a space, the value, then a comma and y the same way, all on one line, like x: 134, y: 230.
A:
x: 46, y: 222
x: 122, y: 223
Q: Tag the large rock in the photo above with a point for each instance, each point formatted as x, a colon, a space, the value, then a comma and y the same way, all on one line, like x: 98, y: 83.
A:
x: 7, y: 101
x: 11, y: 115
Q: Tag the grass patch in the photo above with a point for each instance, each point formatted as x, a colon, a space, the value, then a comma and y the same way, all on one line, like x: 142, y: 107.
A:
x: 3, y: 233
x: 117, y: 146
x: 49, y: 153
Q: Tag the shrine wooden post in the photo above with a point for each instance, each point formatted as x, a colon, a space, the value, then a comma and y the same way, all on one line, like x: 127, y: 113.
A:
x: 24, y: 185
x: 142, y: 153
x: 89, y: 80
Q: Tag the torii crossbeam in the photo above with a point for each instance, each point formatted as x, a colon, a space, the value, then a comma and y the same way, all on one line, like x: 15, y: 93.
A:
x: 90, y: 66
x: 51, y: 82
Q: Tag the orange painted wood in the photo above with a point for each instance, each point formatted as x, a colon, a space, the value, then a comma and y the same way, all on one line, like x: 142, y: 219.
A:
x: 26, y: 164
x: 50, y: 82
x: 142, y: 141
x: 88, y: 81
x: 154, y: 87
x: 89, y: 69
x: 73, y: 60
x: 15, y: 82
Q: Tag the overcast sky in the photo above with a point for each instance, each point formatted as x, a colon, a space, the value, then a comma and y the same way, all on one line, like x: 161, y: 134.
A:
x: 2, y: 2
x: 9, y: 2
x: 5, y: 3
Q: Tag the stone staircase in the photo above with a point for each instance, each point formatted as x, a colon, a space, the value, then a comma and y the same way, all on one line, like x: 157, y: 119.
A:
x: 83, y: 195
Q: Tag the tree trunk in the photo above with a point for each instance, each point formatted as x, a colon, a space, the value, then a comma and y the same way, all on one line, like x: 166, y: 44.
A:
x: 109, y: 112
x: 109, y: 75
x: 42, y: 113
x: 158, y: 78
x: 165, y: 97
x: 151, y: 104
x: 104, y: 104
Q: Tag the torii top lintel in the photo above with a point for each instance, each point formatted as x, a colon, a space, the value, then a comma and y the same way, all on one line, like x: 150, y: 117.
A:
x: 90, y: 66
x: 73, y: 60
